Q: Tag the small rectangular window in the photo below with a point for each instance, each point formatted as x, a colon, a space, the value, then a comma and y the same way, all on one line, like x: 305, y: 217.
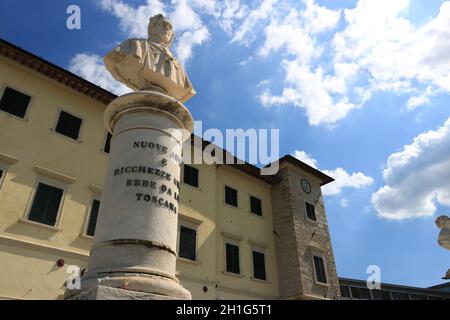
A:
x: 364, y: 293
x: 259, y: 265
x: 319, y: 266
x: 46, y: 204
x: 255, y: 206
x: 231, y: 196
x: 345, y: 292
x: 190, y: 176
x: 188, y: 243
x: 400, y: 296
x: 93, y: 217
x: 381, y: 295
x: 232, y: 258
x: 310, y: 211
x: 14, y: 102
x: 355, y: 293
x: 68, y: 125
x: 107, y: 146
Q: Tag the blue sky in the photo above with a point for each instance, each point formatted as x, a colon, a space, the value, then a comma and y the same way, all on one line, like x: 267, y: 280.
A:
x: 360, y: 89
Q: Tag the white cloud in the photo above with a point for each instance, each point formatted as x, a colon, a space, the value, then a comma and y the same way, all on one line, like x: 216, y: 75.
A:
x: 345, y: 202
x: 343, y: 179
x: 91, y: 68
x: 321, y: 94
x: 188, y: 39
x: 306, y: 158
x: 247, y: 29
x: 357, y: 180
x: 378, y: 50
x: 417, y: 177
x: 133, y: 21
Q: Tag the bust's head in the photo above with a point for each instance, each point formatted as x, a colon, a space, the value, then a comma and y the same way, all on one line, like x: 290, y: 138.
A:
x: 160, y: 30
x: 442, y: 221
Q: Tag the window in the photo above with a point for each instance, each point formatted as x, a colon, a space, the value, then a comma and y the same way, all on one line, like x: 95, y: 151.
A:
x: 231, y: 196
x: 68, y: 125
x: 46, y: 204
x: 310, y: 211
x: 355, y: 293
x: 259, y: 265
x: 319, y: 267
x: 255, y: 206
x: 381, y: 295
x: 93, y: 217
x: 107, y: 146
x: 14, y: 102
x: 400, y: 296
x: 364, y: 293
x: 345, y: 292
x: 232, y: 258
x: 188, y: 243
x: 190, y: 176
x: 418, y: 297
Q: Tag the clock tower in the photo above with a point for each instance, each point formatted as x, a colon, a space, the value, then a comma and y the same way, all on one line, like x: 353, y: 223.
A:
x: 306, y: 266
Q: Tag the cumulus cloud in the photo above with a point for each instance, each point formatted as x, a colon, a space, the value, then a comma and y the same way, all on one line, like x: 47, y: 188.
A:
x: 377, y: 50
x: 417, y: 177
x: 343, y: 179
x: 357, y: 180
x: 91, y: 68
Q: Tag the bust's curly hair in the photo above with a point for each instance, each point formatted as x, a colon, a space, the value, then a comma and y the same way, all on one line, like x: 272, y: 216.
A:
x: 157, y: 19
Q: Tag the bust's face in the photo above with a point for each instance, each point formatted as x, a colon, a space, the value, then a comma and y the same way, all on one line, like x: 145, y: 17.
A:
x: 161, y: 32
x: 441, y: 221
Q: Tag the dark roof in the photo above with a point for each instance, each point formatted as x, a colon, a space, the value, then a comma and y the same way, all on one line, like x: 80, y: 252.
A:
x: 391, y: 286
x: 89, y: 89
x: 319, y: 174
x: 440, y: 286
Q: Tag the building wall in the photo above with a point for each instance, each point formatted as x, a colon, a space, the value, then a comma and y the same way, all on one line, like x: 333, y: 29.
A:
x: 31, y: 151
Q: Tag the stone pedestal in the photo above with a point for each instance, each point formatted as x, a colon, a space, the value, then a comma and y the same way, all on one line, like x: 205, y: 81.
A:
x: 134, y: 247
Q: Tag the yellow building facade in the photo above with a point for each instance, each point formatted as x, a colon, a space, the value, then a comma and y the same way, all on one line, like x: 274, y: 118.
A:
x: 243, y: 235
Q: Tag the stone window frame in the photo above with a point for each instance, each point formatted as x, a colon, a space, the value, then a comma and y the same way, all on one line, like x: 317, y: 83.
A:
x: 317, y: 253
x: 55, y: 124
x: 306, y: 211
x: 186, y: 184
x: 94, y: 196
x: 51, y: 182
x: 191, y: 223
x: 27, y: 113
x: 236, y: 241
x: 261, y: 248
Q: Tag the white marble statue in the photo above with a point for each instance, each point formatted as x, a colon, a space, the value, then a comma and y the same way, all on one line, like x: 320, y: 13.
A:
x: 443, y: 222
x: 148, y: 64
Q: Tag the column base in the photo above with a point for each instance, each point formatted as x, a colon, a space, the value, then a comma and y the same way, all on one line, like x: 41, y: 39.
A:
x: 129, y: 287
x: 108, y: 293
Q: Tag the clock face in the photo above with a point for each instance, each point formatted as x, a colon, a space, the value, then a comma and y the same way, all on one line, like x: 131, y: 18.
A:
x: 306, y: 186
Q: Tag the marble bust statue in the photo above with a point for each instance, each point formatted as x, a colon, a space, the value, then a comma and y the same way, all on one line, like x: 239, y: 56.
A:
x: 443, y: 223
x: 148, y: 64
